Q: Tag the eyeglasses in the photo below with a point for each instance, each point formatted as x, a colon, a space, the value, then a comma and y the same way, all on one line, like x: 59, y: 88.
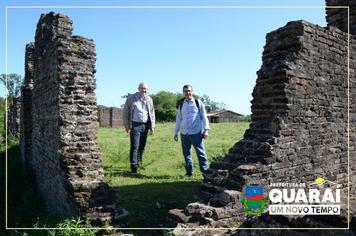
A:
x: 186, y: 91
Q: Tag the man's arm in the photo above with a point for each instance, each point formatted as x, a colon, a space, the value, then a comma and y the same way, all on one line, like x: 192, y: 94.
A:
x: 126, y: 114
x: 205, y: 121
x: 153, y: 117
x: 178, y: 122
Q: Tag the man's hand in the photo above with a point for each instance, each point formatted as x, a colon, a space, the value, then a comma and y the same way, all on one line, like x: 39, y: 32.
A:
x: 128, y: 130
x: 205, y: 135
x: 176, y: 138
x: 152, y: 131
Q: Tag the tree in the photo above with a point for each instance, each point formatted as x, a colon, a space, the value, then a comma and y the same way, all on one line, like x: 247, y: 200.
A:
x: 127, y: 95
x: 211, y: 105
x: 179, y: 99
x: 14, y: 82
x: 165, y: 105
x: 246, y: 118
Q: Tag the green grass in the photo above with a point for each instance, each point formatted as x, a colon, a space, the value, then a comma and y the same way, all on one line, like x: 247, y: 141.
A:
x: 159, y: 185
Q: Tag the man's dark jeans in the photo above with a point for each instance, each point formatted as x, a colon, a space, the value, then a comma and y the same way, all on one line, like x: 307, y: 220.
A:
x: 138, y: 138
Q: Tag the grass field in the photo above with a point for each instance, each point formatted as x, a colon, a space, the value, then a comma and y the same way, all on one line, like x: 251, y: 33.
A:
x: 159, y: 185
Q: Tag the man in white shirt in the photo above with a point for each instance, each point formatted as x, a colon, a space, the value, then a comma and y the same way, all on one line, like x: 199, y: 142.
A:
x: 193, y: 124
x: 138, y: 118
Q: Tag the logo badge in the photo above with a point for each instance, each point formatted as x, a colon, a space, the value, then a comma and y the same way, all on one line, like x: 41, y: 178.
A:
x: 319, y: 197
x: 255, y: 202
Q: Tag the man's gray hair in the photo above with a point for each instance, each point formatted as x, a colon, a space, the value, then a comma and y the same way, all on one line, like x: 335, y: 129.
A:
x: 142, y: 84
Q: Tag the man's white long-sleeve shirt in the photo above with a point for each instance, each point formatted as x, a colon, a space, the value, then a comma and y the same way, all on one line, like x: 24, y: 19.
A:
x: 190, y: 119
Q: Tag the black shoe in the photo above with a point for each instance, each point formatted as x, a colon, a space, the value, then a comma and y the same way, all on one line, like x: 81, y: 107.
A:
x: 187, y: 176
x: 133, y: 171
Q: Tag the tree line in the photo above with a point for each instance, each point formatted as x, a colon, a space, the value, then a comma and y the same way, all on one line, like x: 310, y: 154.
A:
x: 166, y: 104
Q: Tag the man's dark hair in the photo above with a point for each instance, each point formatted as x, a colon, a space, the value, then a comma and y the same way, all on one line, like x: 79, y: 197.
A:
x: 187, y: 86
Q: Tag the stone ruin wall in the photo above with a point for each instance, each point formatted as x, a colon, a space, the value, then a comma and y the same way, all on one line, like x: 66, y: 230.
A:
x: 116, y: 117
x: 104, y: 116
x: 13, y: 115
x: 336, y: 14
x: 298, y: 131
x: 58, y: 135
x: 26, y: 108
x: 337, y: 17
x: 110, y: 117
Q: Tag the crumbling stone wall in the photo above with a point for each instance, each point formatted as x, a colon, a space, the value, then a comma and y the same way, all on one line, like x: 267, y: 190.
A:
x: 110, y: 117
x: 116, y: 117
x: 104, y: 116
x: 336, y: 15
x: 60, y: 129
x: 13, y: 116
x: 26, y: 107
x: 299, y: 128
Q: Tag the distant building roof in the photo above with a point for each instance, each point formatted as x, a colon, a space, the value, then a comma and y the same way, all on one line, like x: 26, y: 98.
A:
x: 217, y: 113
